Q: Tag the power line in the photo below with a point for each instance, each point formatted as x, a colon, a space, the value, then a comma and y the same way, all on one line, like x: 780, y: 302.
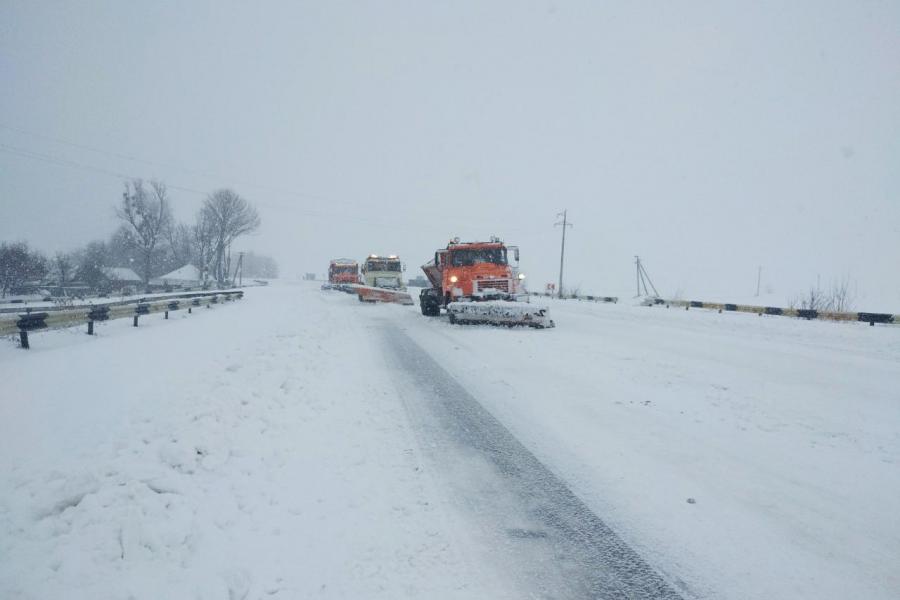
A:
x: 57, y: 161
x: 64, y: 162
x: 54, y: 160
x: 154, y: 163
x: 208, y: 174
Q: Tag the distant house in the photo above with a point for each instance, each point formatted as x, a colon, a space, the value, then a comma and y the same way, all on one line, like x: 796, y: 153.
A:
x: 121, y: 279
x: 121, y: 276
x: 185, y: 276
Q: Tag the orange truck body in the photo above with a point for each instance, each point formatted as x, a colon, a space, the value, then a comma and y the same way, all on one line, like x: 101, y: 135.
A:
x: 469, y: 271
x: 343, y: 271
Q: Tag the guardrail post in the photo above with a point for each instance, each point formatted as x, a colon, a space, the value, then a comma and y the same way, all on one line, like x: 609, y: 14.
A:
x: 97, y: 313
x: 140, y: 309
x: 30, y: 321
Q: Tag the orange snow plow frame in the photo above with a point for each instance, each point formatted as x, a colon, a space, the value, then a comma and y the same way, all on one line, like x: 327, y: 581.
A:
x: 373, y: 294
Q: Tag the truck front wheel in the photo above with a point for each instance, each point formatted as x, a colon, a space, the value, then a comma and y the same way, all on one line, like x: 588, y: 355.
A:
x: 429, y: 304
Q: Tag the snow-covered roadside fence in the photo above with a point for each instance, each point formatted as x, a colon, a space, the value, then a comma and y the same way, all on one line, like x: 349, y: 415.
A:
x: 801, y: 313
x: 25, y: 322
x: 607, y: 299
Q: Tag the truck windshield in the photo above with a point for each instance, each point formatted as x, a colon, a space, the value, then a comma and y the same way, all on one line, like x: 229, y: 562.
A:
x: 467, y: 258
x: 344, y: 269
x: 383, y: 265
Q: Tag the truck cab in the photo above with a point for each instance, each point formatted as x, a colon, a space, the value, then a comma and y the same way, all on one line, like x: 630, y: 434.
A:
x: 342, y: 271
x: 383, y: 272
x: 471, y: 271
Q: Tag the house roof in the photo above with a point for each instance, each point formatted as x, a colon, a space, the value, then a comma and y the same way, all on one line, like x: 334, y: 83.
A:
x: 121, y: 274
x: 186, y: 273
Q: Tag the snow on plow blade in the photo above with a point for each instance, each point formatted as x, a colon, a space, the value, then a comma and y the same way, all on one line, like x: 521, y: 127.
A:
x: 499, y: 312
x: 373, y: 294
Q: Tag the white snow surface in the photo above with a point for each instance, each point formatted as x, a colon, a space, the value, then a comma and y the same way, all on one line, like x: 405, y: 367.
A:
x: 184, y: 274
x: 259, y: 450
x: 122, y: 274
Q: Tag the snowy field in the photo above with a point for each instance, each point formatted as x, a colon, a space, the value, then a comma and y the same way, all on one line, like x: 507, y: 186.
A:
x: 291, y: 445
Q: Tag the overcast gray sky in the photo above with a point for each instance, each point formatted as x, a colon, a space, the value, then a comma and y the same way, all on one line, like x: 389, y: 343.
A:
x: 708, y: 137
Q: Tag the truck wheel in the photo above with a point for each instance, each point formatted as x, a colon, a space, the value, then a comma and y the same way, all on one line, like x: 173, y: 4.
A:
x: 429, y: 305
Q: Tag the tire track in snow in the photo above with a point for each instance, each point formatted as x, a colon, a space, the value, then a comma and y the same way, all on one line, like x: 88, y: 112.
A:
x: 545, y: 535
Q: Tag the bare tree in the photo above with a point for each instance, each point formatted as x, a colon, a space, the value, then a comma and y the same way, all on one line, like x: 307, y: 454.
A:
x: 63, y: 267
x: 146, y: 216
x: 181, y: 244
x: 838, y: 298
x: 18, y: 265
x: 814, y: 299
x: 204, y: 244
x: 230, y: 216
x: 92, y: 260
x: 841, y: 296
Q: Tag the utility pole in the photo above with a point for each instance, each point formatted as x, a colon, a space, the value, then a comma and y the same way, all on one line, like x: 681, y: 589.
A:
x: 562, y: 252
x: 643, y: 279
x: 239, y: 270
x: 758, y: 279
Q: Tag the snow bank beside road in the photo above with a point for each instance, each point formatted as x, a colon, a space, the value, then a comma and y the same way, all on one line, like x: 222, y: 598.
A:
x: 249, y: 451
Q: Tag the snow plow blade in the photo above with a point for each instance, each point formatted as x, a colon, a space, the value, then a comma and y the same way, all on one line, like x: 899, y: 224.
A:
x: 373, y: 294
x: 499, y: 312
x: 347, y: 288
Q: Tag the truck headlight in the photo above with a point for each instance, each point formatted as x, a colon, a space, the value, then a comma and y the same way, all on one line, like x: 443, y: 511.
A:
x: 454, y: 279
x: 521, y: 275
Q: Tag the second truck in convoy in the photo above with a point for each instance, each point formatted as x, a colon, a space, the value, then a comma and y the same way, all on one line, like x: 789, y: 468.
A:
x: 383, y: 272
x: 383, y: 280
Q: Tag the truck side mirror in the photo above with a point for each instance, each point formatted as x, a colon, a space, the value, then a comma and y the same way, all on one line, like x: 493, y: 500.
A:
x: 516, y: 254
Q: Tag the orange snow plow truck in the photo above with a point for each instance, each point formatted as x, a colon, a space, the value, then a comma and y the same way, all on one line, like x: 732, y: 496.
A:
x: 475, y: 283
x: 342, y: 273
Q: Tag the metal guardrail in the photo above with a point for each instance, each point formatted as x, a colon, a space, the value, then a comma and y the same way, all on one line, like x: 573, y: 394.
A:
x: 25, y: 308
x: 35, y: 320
x: 862, y: 317
x: 607, y: 299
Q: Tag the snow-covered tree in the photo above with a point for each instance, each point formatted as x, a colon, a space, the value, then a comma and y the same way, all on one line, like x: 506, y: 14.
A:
x: 63, y: 267
x: 229, y: 216
x: 18, y: 265
x: 146, y: 216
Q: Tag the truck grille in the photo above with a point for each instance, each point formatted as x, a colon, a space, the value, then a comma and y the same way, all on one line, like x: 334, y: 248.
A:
x: 500, y: 285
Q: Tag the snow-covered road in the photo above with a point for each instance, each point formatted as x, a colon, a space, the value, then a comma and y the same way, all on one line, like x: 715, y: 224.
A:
x: 299, y: 444
x: 548, y: 537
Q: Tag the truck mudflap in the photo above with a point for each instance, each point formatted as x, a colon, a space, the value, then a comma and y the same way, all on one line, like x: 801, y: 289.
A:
x: 500, y: 313
x: 374, y: 294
